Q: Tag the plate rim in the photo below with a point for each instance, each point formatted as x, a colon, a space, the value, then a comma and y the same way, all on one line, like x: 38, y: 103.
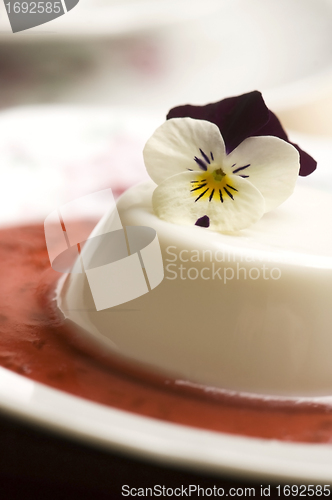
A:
x: 171, y: 444
x: 151, y: 439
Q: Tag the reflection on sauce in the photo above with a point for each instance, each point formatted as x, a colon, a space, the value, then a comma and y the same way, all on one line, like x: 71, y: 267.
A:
x: 37, y: 343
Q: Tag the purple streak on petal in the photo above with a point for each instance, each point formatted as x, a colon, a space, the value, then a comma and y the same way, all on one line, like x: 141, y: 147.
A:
x: 202, y: 194
x: 206, y: 158
x: 240, y: 168
x: 199, y: 187
x: 203, y: 221
x: 211, y: 154
x: 231, y: 187
x: 200, y: 163
x: 229, y: 193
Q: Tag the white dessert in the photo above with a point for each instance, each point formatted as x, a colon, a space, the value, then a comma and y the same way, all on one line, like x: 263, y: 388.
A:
x: 248, y: 312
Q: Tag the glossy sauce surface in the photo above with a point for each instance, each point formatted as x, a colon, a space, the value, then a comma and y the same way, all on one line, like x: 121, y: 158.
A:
x: 37, y: 343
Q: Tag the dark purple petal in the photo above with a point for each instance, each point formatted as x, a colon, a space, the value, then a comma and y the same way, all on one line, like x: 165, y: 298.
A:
x: 203, y: 221
x: 307, y: 163
x: 274, y: 127
x: 237, y: 117
x: 240, y: 117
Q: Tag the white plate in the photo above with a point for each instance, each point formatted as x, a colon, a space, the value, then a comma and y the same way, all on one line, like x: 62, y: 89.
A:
x: 53, y: 154
x: 49, y: 143
x: 163, y: 442
x: 209, y: 50
x: 110, y: 18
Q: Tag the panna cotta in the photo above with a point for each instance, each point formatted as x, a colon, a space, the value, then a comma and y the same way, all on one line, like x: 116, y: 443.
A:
x: 248, y: 311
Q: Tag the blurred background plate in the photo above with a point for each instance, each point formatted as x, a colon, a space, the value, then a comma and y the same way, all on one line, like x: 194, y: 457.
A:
x: 169, y: 53
x: 52, y: 154
x: 113, y: 18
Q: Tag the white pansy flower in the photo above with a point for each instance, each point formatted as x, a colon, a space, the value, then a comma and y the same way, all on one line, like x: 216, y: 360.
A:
x: 197, y: 179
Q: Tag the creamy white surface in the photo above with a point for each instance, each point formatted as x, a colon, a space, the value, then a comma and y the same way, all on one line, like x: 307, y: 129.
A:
x: 268, y: 336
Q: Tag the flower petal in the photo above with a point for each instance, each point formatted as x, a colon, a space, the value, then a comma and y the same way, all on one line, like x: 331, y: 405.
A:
x: 271, y: 164
x: 175, y: 144
x: 174, y: 202
x: 203, y: 221
x: 274, y: 127
x: 241, y: 117
x: 237, y: 117
x: 307, y: 162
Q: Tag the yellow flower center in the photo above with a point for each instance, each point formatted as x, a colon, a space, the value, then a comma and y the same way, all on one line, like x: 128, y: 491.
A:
x: 218, y: 175
x: 214, y: 186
